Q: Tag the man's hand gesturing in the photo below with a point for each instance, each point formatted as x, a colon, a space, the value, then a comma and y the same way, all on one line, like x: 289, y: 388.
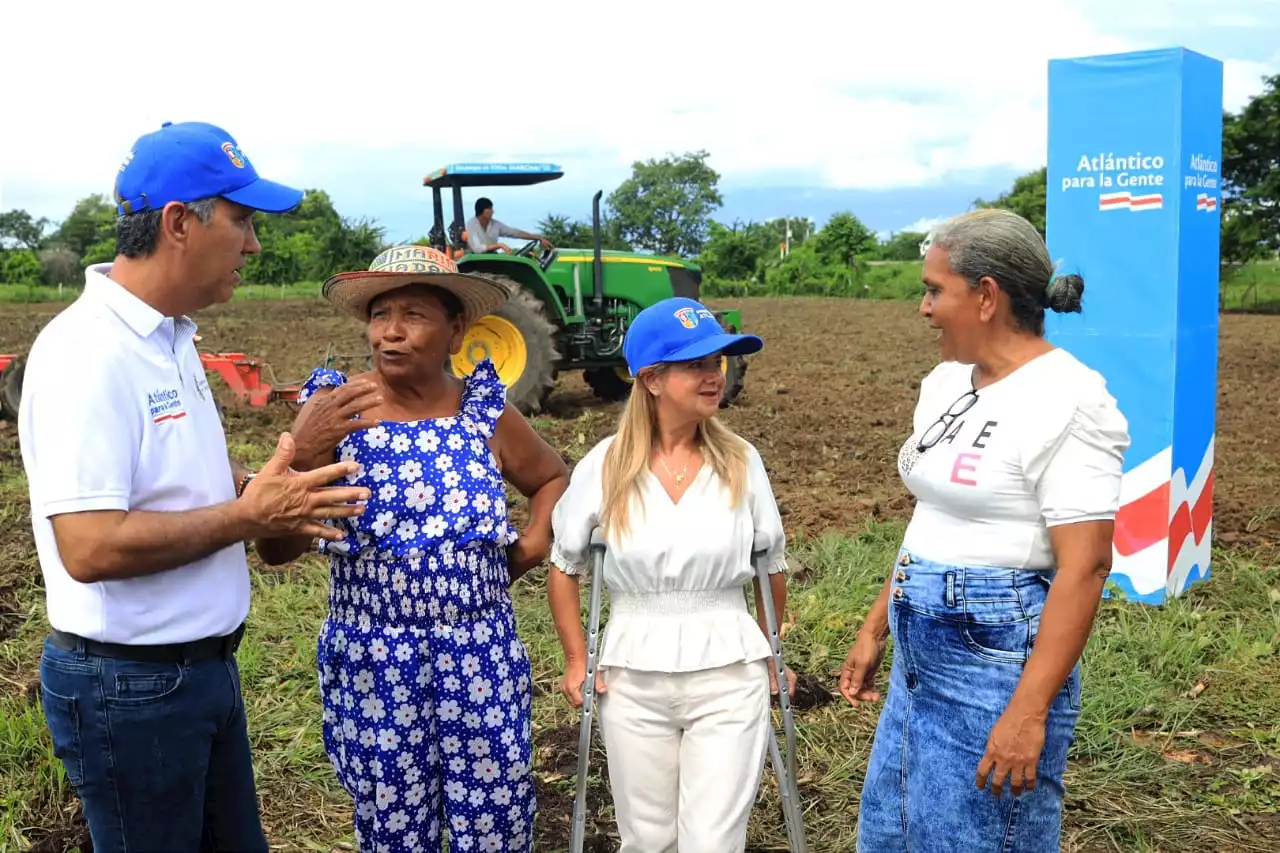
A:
x: 282, y: 502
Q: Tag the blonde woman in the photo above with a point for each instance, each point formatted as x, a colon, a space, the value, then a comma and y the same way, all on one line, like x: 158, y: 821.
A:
x: 684, y: 679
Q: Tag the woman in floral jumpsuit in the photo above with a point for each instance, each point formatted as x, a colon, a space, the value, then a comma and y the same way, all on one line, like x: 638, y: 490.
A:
x: 424, y: 682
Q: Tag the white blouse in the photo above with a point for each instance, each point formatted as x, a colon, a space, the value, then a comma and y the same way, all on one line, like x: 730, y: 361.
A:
x: 676, y: 581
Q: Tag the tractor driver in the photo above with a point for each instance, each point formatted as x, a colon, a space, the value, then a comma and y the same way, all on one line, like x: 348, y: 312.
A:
x: 483, y: 231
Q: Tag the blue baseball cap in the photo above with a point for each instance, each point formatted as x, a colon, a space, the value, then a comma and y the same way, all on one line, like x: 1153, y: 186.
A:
x: 194, y: 160
x: 680, y: 329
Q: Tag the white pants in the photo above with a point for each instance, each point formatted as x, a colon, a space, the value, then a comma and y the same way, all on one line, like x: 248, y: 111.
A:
x: 686, y: 753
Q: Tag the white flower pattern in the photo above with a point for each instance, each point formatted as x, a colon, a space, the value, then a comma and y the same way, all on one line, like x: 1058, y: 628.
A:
x: 425, y: 683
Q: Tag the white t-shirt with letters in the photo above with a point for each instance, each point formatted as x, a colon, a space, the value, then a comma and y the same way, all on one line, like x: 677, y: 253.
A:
x: 1040, y: 447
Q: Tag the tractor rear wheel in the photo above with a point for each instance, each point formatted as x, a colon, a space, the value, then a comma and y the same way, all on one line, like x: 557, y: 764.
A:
x: 609, y: 383
x: 735, y: 375
x: 521, y: 342
x: 735, y: 371
x: 11, y: 388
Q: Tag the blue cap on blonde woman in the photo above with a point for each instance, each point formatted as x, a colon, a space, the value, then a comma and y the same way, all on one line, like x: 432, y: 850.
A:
x: 680, y: 329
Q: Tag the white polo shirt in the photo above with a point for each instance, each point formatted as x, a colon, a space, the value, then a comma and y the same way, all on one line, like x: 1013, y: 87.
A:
x: 117, y: 414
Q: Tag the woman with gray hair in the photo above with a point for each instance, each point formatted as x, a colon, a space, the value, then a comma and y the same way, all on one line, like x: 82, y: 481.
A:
x: 1015, y: 461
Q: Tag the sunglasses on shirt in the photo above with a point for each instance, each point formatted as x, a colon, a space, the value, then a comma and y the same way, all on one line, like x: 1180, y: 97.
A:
x: 939, y: 428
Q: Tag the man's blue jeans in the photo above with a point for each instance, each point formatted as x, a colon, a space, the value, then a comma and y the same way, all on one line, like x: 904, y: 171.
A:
x: 157, y: 752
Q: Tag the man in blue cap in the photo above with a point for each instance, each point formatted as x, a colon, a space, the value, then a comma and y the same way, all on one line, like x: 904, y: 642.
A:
x: 140, y: 516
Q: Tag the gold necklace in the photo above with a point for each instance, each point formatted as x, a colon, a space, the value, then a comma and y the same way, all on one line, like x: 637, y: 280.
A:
x: 679, y: 478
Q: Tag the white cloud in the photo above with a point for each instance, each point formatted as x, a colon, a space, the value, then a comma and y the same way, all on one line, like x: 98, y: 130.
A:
x: 927, y: 224
x: 923, y: 225
x: 852, y: 96
x: 1242, y: 79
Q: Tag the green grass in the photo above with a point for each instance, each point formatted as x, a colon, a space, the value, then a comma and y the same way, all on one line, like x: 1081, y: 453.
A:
x: 897, y: 280
x: 36, y: 293
x: 1252, y: 288
x: 252, y: 292
x: 1178, y: 746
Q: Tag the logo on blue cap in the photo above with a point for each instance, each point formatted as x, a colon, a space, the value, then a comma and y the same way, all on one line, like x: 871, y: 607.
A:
x: 688, y: 317
x: 193, y: 160
x: 233, y: 153
x: 680, y: 329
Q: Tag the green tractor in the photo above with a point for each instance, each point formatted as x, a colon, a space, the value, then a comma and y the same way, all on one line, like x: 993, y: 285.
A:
x: 570, y: 307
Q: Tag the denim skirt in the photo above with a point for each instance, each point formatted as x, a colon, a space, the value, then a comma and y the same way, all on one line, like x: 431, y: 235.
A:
x: 962, y: 636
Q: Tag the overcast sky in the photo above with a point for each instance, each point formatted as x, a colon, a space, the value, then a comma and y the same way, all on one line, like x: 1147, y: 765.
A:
x: 901, y: 111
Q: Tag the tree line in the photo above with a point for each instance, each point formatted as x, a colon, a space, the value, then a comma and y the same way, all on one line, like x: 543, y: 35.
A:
x: 305, y: 245
x: 666, y: 206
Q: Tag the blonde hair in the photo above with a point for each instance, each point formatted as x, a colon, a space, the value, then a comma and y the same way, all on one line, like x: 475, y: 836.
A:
x: 627, y: 458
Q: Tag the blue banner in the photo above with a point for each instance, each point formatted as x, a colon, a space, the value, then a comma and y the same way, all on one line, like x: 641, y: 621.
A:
x: 1135, y: 146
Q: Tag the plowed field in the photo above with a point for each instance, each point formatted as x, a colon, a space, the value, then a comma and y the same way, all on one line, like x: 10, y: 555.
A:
x: 828, y: 402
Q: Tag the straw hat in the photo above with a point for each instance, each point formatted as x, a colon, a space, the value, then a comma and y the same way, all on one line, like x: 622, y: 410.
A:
x: 398, y: 266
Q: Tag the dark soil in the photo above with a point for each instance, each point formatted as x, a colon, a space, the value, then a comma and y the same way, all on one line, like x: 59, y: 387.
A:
x: 827, y: 401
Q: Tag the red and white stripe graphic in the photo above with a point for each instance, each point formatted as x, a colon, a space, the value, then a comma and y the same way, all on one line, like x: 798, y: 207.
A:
x: 1190, y: 522
x: 1165, y: 524
x: 1140, y: 547
x: 1206, y: 202
x: 1129, y: 201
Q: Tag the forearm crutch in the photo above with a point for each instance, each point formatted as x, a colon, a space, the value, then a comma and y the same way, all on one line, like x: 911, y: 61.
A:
x: 788, y: 788
x: 784, y: 771
x: 579, y: 828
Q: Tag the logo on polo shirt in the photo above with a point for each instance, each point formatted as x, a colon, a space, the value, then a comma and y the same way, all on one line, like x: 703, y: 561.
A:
x: 166, y: 405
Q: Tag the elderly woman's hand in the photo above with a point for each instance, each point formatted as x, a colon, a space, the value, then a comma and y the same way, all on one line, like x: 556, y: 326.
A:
x: 329, y: 416
x: 858, y: 675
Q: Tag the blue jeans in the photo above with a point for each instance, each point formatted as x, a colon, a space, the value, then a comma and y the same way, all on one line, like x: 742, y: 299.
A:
x: 157, y: 752
x: 962, y: 636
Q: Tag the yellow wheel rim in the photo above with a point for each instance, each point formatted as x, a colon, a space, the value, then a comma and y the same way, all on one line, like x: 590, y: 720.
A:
x: 623, y: 374
x: 498, y: 340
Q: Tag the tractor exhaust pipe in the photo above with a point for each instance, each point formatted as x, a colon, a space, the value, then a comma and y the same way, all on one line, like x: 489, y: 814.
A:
x: 597, y: 269
x: 437, y: 235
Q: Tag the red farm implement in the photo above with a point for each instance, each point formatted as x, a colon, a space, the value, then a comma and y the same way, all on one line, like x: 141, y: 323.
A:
x: 10, y: 385
x: 248, y: 378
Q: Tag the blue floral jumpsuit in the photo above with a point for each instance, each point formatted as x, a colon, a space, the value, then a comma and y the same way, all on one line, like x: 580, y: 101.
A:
x: 425, y: 684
